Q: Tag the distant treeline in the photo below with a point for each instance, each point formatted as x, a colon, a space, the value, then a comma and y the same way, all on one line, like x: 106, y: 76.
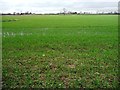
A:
x: 69, y: 13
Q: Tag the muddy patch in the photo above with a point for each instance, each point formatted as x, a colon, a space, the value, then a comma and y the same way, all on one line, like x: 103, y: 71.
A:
x: 71, y: 66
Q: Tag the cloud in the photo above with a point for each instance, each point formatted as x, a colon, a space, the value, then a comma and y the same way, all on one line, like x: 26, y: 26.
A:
x: 44, y: 6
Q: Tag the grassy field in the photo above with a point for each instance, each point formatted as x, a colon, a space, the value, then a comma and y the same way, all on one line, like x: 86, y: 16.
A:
x: 71, y: 51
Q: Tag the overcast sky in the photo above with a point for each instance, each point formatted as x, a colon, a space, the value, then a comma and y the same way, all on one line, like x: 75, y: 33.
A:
x: 56, y: 6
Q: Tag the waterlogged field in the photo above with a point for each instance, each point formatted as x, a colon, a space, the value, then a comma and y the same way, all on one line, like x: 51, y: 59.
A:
x: 60, y: 51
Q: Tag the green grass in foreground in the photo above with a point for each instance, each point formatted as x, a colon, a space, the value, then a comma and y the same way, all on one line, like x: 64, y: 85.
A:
x: 60, y: 51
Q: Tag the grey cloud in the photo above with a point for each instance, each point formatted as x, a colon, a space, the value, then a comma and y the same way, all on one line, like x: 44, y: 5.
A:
x: 100, y: 4
x: 75, y: 4
x: 3, y: 6
x: 49, y: 6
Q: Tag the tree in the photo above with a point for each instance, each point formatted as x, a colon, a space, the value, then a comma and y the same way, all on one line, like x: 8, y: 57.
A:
x: 64, y: 11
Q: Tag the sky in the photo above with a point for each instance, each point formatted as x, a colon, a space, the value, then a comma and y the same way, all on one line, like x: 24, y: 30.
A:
x: 56, y: 6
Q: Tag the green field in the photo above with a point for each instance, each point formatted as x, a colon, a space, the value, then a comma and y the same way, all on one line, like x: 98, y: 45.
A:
x: 60, y: 51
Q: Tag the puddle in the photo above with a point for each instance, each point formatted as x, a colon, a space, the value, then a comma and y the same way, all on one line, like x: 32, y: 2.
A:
x: 11, y: 34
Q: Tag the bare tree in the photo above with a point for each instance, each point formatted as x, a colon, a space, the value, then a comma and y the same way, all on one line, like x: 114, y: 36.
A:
x: 64, y: 11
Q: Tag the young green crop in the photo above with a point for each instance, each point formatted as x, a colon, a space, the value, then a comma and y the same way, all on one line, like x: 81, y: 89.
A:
x: 75, y: 51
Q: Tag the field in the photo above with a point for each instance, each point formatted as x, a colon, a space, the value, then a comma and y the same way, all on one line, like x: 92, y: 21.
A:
x: 60, y: 51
